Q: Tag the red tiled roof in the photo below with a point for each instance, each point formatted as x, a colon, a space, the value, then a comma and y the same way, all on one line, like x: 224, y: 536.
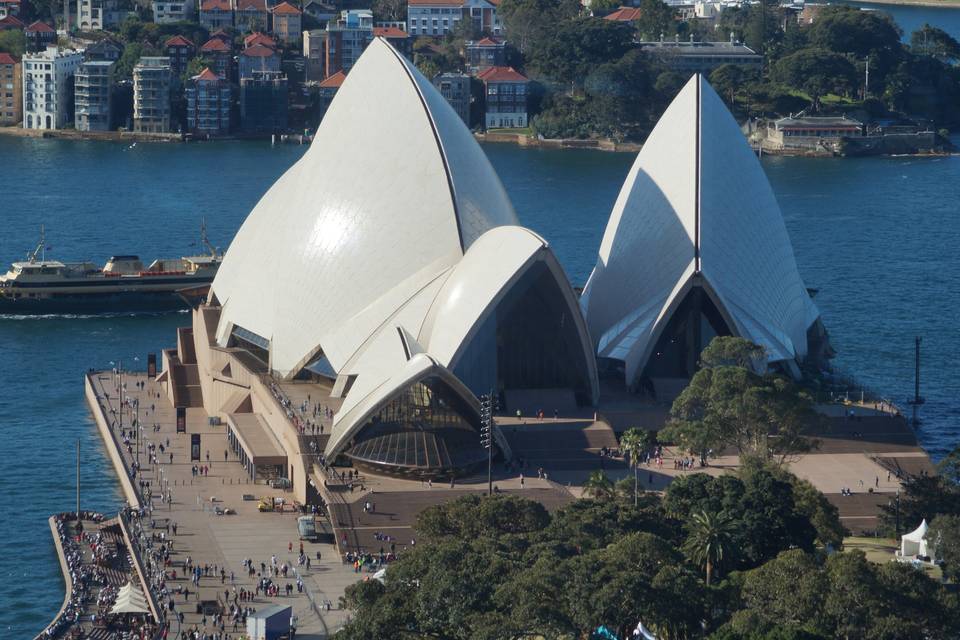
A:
x: 334, y: 80
x: 215, y: 44
x: 389, y: 32
x: 285, y: 8
x: 488, y: 42
x: 258, y: 51
x: 40, y: 27
x: 215, y: 5
x: 6, y: 58
x: 178, y: 41
x: 259, y: 38
x: 502, y: 74
x: 624, y: 14
x: 221, y: 34
x: 11, y: 22
x: 206, y: 75
x: 248, y: 5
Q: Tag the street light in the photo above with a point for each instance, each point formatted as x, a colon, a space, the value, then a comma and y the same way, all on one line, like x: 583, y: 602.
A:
x: 487, y: 407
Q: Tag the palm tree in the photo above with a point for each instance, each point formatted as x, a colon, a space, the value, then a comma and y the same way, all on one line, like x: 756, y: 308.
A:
x: 632, y: 443
x: 598, y: 485
x: 709, y: 541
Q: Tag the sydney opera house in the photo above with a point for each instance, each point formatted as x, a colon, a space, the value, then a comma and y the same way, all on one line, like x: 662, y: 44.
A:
x: 386, y: 274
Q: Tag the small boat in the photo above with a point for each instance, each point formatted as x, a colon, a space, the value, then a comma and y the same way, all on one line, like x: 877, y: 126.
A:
x: 38, y: 286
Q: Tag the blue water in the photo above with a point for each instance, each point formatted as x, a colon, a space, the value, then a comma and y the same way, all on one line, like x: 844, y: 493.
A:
x: 912, y: 18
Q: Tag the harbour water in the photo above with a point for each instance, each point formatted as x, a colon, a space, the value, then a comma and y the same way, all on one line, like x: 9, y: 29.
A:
x: 876, y: 236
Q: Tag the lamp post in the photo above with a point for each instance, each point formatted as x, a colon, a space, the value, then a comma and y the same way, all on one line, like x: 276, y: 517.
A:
x: 487, y: 405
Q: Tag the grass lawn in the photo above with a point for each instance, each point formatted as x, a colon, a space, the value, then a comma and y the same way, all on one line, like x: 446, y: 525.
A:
x: 881, y: 550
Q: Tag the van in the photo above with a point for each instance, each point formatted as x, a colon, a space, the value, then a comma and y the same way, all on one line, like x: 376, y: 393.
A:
x: 307, y: 527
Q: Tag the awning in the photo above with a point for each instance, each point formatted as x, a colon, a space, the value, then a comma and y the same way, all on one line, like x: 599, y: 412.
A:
x: 256, y: 439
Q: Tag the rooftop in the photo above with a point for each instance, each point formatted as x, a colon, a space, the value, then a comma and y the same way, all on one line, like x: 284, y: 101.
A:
x: 206, y: 76
x: 389, y: 32
x: 215, y: 5
x: 259, y: 38
x: 435, y: 3
x: 487, y: 42
x: 502, y: 74
x: 11, y: 22
x: 830, y: 122
x: 215, y: 44
x: 258, y: 51
x: 256, y: 5
x: 178, y: 41
x: 624, y: 14
x: 6, y: 58
x: 40, y: 27
x: 334, y: 80
x: 285, y: 8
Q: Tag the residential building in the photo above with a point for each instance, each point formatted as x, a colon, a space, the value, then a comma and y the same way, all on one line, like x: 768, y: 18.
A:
x: 397, y: 37
x: 181, y: 51
x: 96, y: 15
x: 346, y: 40
x: 320, y: 11
x: 152, y: 77
x: 329, y: 88
x: 287, y: 23
x: 703, y: 57
x: 208, y: 104
x: 259, y: 38
x: 485, y: 53
x: 505, y: 94
x: 216, y: 14
x: 263, y: 102
x: 48, y: 87
x: 439, y: 17
x: 313, y: 53
x: 169, y: 11
x: 220, y: 54
x: 9, y: 8
x: 11, y: 23
x: 93, y: 85
x: 222, y: 36
x: 39, y: 36
x: 624, y: 14
x: 257, y: 58
x: 11, y: 90
x: 105, y: 49
x: 252, y: 15
x: 455, y: 89
x: 811, y: 132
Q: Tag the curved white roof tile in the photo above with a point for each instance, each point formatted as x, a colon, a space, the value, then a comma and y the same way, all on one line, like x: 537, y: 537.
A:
x: 696, y: 203
x: 390, y: 194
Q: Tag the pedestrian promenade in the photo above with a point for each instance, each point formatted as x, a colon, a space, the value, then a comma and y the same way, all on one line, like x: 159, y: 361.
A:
x: 182, y: 497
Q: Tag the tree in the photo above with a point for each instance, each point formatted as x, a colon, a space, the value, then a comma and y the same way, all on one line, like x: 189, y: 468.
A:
x: 816, y: 72
x: 936, y: 43
x: 633, y: 442
x: 944, y: 537
x: 709, y: 541
x: 731, y: 351
x: 657, y: 19
x: 598, y: 485
x: 13, y: 42
x: 389, y: 10
x: 580, y: 45
x: 529, y: 22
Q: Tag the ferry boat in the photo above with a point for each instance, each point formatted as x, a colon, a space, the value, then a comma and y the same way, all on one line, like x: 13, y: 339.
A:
x: 39, y: 286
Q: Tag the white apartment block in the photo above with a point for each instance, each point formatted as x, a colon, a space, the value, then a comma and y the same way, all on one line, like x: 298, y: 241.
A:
x: 439, y: 17
x: 48, y: 87
x: 167, y: 11
x: 96, y: 15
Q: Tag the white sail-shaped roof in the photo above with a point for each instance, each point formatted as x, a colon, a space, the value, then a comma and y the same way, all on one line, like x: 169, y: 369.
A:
x: 391, y: 193
x: 696, y: 207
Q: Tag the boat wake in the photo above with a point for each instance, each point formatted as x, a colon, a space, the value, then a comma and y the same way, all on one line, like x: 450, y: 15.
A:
x: 90, y: 316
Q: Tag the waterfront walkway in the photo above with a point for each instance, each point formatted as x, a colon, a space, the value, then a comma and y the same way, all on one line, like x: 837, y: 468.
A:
x: 182, y: 507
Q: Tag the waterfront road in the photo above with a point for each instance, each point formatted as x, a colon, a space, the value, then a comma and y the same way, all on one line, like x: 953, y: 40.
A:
x: 218, y: 541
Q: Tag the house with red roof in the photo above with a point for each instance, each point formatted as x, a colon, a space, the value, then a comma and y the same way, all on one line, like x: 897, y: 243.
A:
x: 39, y: 35
x: 624, y: 14
x: 287, y: 23
x: 181, y: 51
x: 208, y: 104
x: 258, y: 58
x: 220, y: 55
x: 439, y: 17
x: 396, y: 36
x: 485, y: 53
x: 259, y: 38
x: 9, y: 8
x: 11, y: 90
x: 329, y: 88
x: 505, y: 97
x: 252, y: 15
x: 216, y: 14
x: 11, y: 22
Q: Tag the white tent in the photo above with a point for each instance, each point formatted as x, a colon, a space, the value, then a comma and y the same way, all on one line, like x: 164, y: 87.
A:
x: 130, y: 600
x: 915, y: 542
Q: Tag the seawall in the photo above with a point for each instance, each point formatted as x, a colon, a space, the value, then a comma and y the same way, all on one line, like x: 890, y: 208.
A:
x: 112, y: 445
x: 67, y: 580
x: 524, y: 140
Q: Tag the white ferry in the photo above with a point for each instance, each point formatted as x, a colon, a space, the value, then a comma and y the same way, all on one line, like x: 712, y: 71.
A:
x: 40, y: 286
